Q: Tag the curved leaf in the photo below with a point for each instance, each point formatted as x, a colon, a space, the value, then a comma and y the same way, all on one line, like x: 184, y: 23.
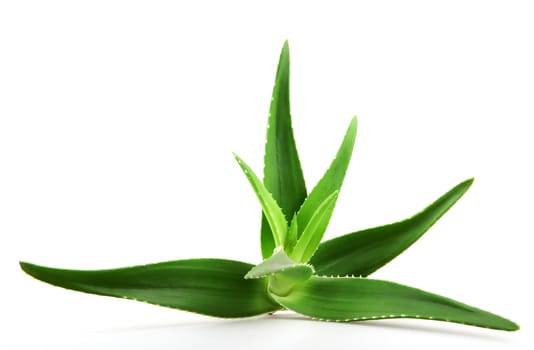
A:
x: 273, y: 213
x: 280, y: 264
x: 363, y: 252
x: 292, y: 234
x: 353, y: 299
x: 282, y: 171
x: 331, y: 180
x: 314, y: 231
x: 213, y: 287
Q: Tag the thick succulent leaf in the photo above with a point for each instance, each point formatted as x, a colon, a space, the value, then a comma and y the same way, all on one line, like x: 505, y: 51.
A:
x: 280, y: 264
x: 314, y: 231
x: 273, y: 213
x: 292, y: 234
x: 351, y: 299
x: 213, y: 287
x: 363, y: 252
x: 282, y: 171
x: 331, y: 180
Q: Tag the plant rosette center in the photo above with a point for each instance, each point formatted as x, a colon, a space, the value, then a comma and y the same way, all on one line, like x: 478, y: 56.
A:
x: 293, y: 276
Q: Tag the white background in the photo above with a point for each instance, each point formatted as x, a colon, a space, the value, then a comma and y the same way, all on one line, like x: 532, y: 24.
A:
x: 118, y: 119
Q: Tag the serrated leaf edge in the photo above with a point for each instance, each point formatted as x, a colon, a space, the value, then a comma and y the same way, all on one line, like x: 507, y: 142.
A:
x: 352, y: 125
x: 274, y: 214
x: 380, y: 317
x: 247, y: 277
x: 327, y: 205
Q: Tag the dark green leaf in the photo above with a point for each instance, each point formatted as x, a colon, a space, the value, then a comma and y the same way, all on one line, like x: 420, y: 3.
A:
x: 350, y: 299
x: 282, y: 172
x: 213, y: 287
x: 363, y: 252
x: 331, y: 180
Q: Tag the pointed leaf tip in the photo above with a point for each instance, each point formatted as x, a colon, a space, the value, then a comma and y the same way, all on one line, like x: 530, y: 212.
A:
x: 354, y: 299
x: 282, y: 172
x: 469, y: 182
x: 332, y: 180
x: 213, y: 287
x: 363, y: 252
x: 272, y: 211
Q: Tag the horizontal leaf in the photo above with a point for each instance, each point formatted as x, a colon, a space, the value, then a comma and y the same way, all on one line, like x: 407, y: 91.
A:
x: 272, y: 211
x: 282, y: 171
x: 213, y: 287
x: 331, y: 180
x: 352, y: 299
x: 363, y: 252
x: 280, y: 264
x: 314, y: 231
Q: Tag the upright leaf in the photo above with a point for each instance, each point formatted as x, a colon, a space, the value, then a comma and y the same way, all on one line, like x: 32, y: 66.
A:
x: 331, y: 180
x: 314, y: 231
x: 292, y: 234
x: 282, y: 171
x: 273, y: 213
x: 213, y: 287
x: 363, y: 252
x: 354, y: 299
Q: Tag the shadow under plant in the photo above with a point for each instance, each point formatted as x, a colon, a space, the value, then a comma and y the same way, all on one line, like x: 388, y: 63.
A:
x: 325, y: 281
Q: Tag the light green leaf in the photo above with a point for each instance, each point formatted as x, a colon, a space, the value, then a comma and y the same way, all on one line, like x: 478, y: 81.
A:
x: 331, y: 180
x: 273, y: 213
x: 363, y: 252
x: 280, y: 263
x: 314, y: 231
x: 283, y: 272
x: 282, y: 171
x: 292, y: 234
x: 351, y: 299
x: 213, y: 287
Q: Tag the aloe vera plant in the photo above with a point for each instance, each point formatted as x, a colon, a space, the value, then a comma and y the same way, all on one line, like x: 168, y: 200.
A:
x: 326, y: 281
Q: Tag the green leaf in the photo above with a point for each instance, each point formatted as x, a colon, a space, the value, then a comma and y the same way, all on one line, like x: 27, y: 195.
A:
x: 363, y: 252
x: 283, y: 272
x: 314, y: 231
x: 331, y: 180
x: 280, y: 263
x: 282, y: 171
x: 273, y: 213
x: 292, y: 234
x: 213, y: 287
x: 350, y: 299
